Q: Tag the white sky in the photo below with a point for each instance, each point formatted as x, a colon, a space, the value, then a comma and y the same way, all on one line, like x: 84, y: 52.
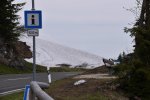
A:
x: 95, y: 26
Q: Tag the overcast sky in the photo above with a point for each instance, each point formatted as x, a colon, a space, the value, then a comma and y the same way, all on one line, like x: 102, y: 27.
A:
x: 95, y: 26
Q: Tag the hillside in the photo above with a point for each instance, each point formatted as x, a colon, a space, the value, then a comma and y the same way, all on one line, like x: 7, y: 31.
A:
x: 51, y: 54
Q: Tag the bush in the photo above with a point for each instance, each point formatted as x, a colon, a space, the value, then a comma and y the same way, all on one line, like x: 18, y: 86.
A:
x: 123, y: 70
x: 134, y: 79
x: 139, y: 83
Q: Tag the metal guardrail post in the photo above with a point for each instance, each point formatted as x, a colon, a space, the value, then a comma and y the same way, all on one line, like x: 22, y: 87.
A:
x: 39, y: 93
x: 31, y: 95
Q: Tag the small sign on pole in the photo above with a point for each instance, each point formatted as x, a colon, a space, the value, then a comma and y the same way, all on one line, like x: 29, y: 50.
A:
x: 33, y: 19
x: 33, y: 32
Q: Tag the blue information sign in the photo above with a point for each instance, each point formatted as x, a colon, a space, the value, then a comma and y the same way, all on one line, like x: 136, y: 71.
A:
x: 33, y: 19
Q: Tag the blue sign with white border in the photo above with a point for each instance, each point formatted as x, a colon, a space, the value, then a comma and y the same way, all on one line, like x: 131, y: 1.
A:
x: 33, y: 19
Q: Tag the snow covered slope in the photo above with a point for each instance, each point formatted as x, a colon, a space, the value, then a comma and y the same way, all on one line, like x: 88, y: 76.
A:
x: 51, y: 54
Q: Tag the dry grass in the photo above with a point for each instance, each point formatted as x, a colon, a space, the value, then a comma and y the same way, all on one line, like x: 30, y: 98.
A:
x: 93, y: 89
x: 101, y: 69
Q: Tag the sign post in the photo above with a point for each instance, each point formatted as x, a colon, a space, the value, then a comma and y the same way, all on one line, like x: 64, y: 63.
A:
x: 33, y: 22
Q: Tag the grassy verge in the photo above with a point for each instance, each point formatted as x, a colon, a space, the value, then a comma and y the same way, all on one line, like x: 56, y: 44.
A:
x: 4, y: 69
x: 67, y: 69
x: 29, y: 67
x: 91, y: 90
x: 15, y: 96
x: 101, y: 69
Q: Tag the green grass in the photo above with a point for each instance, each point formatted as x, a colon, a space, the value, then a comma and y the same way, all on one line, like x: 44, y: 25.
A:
x: 15, y: 96
x: 4, y: 69
x: 39, y: 68
x: 66, y: 69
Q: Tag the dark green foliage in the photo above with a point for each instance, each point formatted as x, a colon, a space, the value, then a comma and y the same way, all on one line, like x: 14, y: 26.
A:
x: 134, y: 73
x: 9, y: 20
x: 123, y: 70
x: 142, y: 44
x: 135, y: 82
x: 134, y: 79
x: 122, y: 57
x: 125, y: 58
x: 10, y: 30
x: 139, y: 83
x: 66, y: 69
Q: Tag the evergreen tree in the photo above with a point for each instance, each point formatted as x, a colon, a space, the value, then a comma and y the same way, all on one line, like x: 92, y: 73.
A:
x: 12, y: 51
x: 119, y: 58
x: 9, y: 20
x: 135, y: 74
x: 141, y: 32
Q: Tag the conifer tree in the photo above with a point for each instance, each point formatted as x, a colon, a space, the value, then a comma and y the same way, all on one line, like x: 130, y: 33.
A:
x: 12, y: 51
x: 9, y: 20
x: 135, y: 79
x: 141, y: 33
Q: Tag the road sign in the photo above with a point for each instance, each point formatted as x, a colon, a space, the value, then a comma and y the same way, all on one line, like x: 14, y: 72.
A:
x: 33, y: 19
x: 33, y: 32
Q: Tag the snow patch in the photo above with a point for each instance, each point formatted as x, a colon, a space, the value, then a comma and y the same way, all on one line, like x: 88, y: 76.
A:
x: 79, y: 82
x: 50, y: 54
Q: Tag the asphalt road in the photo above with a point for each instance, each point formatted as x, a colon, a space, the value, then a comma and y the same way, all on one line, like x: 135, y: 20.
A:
x: 18, y: 81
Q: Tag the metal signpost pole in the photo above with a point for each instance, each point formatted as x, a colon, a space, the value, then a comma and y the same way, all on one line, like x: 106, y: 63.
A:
x: 34, y: 55
x: 34, y: 50
x: 34, y: 60
x: 33, y: 22
x: 33, y: 7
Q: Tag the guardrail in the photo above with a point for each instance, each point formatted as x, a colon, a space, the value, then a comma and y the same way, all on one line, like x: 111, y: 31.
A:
x: 37, y: 92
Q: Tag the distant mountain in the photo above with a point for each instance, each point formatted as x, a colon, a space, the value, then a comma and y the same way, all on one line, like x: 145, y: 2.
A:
x: 52, y: 54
